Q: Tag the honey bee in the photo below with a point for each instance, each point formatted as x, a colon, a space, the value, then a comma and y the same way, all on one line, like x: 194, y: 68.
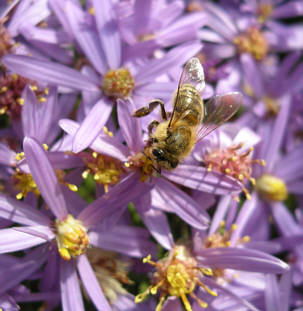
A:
x: 190, y: 121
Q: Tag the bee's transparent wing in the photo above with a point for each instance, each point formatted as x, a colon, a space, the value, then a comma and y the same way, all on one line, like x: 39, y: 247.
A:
x: 217, y: 110
x: 192, y: 74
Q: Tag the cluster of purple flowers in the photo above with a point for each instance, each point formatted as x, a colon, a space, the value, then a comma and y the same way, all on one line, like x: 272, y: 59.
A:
x: 87, y: 221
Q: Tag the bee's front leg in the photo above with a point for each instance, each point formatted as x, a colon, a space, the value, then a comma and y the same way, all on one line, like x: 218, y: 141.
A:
x: 144, y: 111
x: 151, y: 126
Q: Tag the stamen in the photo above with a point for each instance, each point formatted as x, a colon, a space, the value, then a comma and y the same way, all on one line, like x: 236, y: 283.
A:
x: 176, y: 275
x: 71, y: 236
x: 24, y: 183
x: 106, y: 171
x: 231, y: 162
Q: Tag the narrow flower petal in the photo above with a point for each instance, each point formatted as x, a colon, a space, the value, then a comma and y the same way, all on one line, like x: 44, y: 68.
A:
x: 16, y: 273
x: 71, y: 296
x: 91, y: 284
x: 45, y: 177
x: 87, y: 39
x: 130, y: 126
x: 13, y: 240
x: 92, y: 125
x: 34, y: 114
x: 181, y: 204
x: 224, y: 290
x: 48, y: 72
x: 173, y: 59
x: 7, y: 156
x: 108, y: 32
x: 272, y: 293
x: 276, y: 140
x: 20, y: 212
x: 102, y: 144
x: 127, y: 240
x: 199, y: 178
x: 157, y: 224
x: 117, y: 197
x: 241, y: 259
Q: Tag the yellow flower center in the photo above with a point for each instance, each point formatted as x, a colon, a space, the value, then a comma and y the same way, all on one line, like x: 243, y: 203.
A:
x: 71, y: 236
x: 264, y: 12
x: 177, y: 275
x: 143, y: 163
x: 105, y: 170
x: 118, y: 83
x: 24, y: 183
x: 222, y: 238
x: 231, y: 162
x: 252, y: 41
x: 271, y: 188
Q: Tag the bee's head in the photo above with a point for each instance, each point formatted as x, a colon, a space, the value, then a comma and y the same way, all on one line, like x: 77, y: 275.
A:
x: 164, y: 160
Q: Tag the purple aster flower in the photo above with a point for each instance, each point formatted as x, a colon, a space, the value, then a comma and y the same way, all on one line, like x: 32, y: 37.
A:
x: 72, y: 234
x: 156, y: 24
x: 232, y: 34
x: 281, y: 175
x: 271, y: 11
x: 196, y: 272
x: 226, y: 152
x: 111, y: 77
x: 164, y: 195
x: 38, y: 107
x: 265, y: 91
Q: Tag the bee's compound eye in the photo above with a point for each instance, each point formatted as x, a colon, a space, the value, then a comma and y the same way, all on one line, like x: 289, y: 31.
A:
x: 159, y: 154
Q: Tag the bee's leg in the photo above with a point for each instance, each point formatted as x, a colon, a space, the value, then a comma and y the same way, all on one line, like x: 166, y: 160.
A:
x: 151, y: 126
x: 148, y: 109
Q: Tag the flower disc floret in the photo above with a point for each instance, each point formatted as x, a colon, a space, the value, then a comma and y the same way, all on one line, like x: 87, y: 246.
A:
x: 111, y: 272
x: 176, y: 275
x: 118, y: 83
x: 141, y: 162
x: 24, y: 183
x: 11, y: 87
x: 5, y: 40
x: 232, y: 162
x: 252, y: 41
x: 105, y: 170
x: 271, y: 188
x: 71, y: 236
